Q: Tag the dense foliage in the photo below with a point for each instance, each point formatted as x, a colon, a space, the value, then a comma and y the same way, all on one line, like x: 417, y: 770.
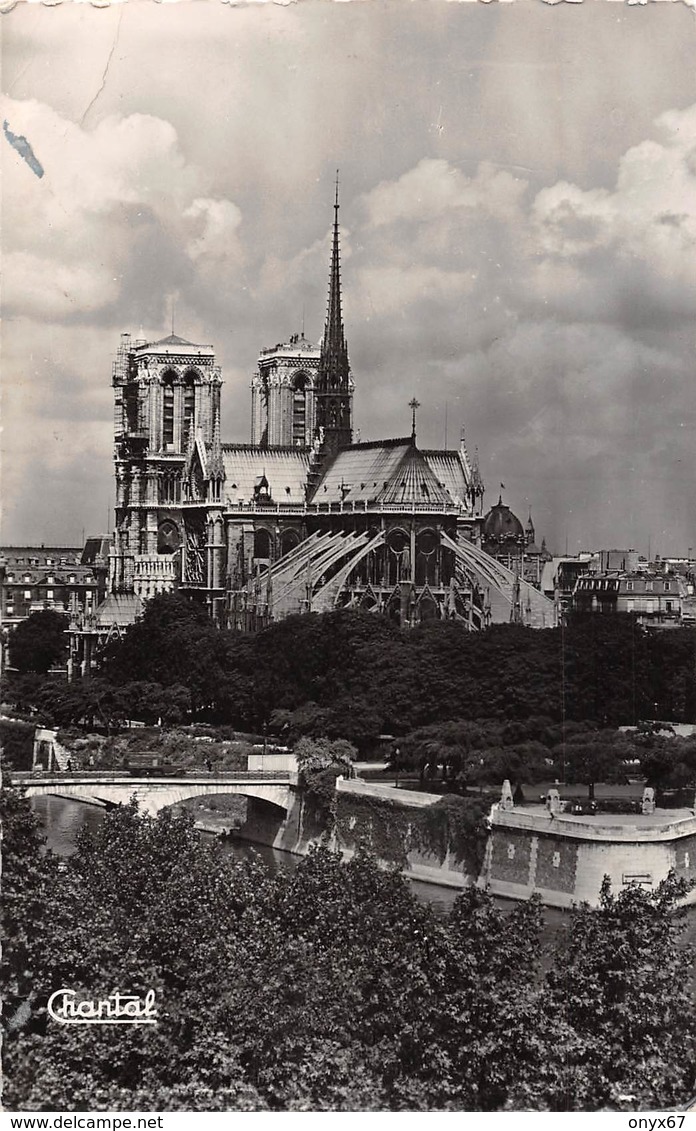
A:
x: 454, y: 826
x: 39, y: 642
x: 17, y: 743
x: 353, y: 675
x: 330, y: 988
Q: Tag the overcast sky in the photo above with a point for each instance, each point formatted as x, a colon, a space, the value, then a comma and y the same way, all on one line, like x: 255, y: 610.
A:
x: 519, y: 236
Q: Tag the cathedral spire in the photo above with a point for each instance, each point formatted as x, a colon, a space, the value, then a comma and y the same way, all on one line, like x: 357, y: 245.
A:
x: 334, y: 322
x: 334, y: 393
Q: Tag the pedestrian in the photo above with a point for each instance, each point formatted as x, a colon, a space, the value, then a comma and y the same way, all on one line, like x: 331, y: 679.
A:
x: 209, y: 765
x: 69, y: 766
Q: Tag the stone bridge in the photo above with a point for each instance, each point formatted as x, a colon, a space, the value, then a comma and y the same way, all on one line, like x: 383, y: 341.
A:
x: 155, y: 793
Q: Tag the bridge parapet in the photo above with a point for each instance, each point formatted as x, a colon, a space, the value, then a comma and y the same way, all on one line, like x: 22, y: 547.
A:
x: 154, y: 794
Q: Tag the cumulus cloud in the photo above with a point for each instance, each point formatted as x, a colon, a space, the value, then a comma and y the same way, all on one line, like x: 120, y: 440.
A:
x: 217, y: 222
x: 512, y: 254
x: 72, y: 236
x: 434, y: 186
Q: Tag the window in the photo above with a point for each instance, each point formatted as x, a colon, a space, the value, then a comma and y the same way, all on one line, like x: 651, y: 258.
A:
x: 629, y: 586
x: 49, y: 561
x: 168, y: 409
x: 262, y: 544
x: 667, y: 586
x: 27, y: 577
x: 50, y: 580
x: 49, y: 594
x: 72, y: 579
x: 669, y: 606
x: 189, y: 406
x: 27, y: 594
x: 648, y: 586
x: 170, y: 487
x: 299, y: 409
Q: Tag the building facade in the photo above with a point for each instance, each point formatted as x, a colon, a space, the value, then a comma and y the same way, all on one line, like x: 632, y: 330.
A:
x: 653, y: 598
x: 66, y: 579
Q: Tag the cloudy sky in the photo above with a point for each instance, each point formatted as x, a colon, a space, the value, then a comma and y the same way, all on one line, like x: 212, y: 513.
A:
x: 519, y: 236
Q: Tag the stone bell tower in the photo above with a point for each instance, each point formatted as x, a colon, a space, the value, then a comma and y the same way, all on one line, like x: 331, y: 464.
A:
x: 166, y: 398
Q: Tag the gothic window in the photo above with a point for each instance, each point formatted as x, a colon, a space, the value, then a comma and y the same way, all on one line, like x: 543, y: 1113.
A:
x: 168, y: 408
x: 170, y: 487
x: 131, y: 407
x: 398, y: 567
x: 299, y: 409
x: 168, y: 539
x: 288, y: 542
x: 189, y: 405
x: 262, y: 544
x: 427, y: 545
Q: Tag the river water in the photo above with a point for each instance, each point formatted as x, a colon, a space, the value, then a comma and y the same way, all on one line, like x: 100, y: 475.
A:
x: 62, y: 821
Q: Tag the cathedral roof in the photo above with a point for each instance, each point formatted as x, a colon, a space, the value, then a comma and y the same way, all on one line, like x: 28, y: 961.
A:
x: 285, y: 469
x: 449, y: 470
x: 119, y: 609
x: 172, y: 344
x: 172, y: 340
x: 390, y: 472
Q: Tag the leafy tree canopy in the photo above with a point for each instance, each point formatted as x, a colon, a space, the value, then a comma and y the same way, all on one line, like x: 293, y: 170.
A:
x: 329, y: 988
x: 39, y: 642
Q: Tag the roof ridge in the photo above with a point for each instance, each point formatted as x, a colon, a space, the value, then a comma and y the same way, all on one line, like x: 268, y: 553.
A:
x: 261, y: 452
x: 390, y: 443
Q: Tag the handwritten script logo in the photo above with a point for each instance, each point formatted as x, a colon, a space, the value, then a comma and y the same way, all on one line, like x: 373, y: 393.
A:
x: 116, y: 1009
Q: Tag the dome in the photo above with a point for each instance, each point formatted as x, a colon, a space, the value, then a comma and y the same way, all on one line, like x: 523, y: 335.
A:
x: 501, y: 525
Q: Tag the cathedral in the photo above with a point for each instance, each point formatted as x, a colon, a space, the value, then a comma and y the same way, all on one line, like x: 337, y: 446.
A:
x: 302, y: 518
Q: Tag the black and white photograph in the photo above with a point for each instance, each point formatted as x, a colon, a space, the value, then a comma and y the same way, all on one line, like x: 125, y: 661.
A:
x: 348, y: 559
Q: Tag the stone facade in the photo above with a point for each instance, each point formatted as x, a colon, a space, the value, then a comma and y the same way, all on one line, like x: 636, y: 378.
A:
x: 565, y: 859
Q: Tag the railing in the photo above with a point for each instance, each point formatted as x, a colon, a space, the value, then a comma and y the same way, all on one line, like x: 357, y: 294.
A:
x: 96, y: 777
x: 162, y: 568
x: 357, y: 507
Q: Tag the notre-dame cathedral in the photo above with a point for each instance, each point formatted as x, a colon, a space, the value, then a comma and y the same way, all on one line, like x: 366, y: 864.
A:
x: 302, y: 518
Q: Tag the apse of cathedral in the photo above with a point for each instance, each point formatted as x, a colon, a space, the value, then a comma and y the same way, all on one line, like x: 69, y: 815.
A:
x: 301, y: 519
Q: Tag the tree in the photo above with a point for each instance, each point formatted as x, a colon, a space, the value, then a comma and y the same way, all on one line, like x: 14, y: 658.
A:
x: 39, y: 642
x: 173, y: 644
x: 623, y: 983
x: 17, y: 743
x: 606, y: 669
x: 598, y: 757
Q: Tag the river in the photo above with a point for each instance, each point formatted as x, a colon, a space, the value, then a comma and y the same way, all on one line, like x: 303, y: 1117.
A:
x: 62, y: 821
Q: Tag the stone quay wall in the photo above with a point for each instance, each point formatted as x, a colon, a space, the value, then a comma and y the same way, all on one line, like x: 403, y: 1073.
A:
x: 565, y: 859
x: 526, y: 850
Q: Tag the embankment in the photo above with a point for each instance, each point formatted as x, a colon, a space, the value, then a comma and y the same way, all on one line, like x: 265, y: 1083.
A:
x: 457, y: 841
